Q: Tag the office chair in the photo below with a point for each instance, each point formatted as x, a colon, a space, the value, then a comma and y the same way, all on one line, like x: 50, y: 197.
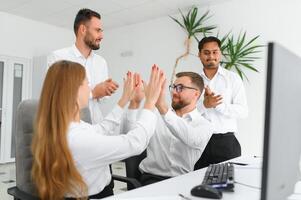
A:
x: 24, y: 189
x: 132, y: 171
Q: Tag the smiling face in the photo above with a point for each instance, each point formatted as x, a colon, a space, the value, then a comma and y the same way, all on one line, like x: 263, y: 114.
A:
x: 210, y: 55
x: 185, y: 97
x: 93, y: 33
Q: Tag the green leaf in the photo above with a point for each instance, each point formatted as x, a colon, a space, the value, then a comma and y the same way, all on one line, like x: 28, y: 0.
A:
x: 193, y: 16
x: 194, y: 25
x: 249, y: 66
x: 177, y: 21
x: 240, y: 53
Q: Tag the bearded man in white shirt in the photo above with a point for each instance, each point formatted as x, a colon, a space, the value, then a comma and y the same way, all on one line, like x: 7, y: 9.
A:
x: 223, y: 103
x: 89, y: 33
x: 181, y: 133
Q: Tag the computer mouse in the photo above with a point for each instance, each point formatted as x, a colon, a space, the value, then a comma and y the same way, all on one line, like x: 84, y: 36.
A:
x: 206, y: 191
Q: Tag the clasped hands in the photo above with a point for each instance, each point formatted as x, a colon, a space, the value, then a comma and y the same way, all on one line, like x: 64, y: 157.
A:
x: 106, y: 88
x: 211, y: 100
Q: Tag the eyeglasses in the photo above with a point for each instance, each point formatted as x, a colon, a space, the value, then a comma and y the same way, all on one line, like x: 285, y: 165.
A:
x: 179, y: 88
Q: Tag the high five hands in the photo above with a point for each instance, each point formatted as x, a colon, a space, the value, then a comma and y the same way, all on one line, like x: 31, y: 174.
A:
x: 154, y: 87
x: 139, y: 94
x: 135, y: 89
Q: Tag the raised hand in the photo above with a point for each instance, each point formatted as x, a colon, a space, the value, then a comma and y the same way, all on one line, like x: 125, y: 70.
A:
x: 106, y: 88
x: 153, y: 88
x: 128, y: 89
x: 161, y: 102
x: 138, y: 95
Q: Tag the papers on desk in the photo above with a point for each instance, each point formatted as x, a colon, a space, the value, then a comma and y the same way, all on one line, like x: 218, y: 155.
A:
x: 171, y: 197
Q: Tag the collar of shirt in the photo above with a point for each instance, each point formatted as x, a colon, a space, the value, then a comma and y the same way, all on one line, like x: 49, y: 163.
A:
x: 220, y: 71
x: 77, y: 53
x: 192, y: 115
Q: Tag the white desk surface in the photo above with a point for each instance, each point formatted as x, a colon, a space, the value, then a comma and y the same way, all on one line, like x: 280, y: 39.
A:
x: 170, y: 188
x: 248, y: 185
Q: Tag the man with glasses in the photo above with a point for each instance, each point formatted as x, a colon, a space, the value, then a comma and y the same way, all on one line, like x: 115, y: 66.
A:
x: 181, y: 133
x: 224, y: 101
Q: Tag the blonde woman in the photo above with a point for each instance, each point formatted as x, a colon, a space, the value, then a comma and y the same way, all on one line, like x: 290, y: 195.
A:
x: 70, y: 157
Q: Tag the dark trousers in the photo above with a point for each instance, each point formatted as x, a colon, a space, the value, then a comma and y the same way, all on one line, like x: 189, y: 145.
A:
x: 146, y: 178
x: 107, y: 191
x: 221, y: 147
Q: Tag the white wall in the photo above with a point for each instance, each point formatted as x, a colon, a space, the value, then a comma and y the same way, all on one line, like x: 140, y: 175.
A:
x: 161, y: 41
x: 25, y: 38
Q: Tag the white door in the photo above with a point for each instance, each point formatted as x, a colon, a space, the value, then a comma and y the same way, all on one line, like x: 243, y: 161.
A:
x: 15, y: 85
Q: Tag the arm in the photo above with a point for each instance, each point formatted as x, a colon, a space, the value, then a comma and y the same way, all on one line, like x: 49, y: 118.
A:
x: 109, y: 124
x: 103, y: 86
x: 96, y: 149
x: 128, y: 121
x: 109, y: 149
x: 238, y: 107
x: 195, y: 134
x: 113, y: 119
x: 130, y: 116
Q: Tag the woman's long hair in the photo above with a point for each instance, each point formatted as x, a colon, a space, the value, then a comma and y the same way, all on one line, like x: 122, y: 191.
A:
x: 53, y: 171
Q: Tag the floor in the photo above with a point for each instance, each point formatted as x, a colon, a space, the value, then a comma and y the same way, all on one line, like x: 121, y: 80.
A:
x: 8, y: 179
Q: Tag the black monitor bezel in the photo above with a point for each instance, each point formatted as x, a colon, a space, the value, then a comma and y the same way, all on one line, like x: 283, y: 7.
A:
x: 268, y: 103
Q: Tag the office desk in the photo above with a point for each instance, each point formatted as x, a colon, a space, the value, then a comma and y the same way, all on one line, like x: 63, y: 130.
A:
x: 249, y: 175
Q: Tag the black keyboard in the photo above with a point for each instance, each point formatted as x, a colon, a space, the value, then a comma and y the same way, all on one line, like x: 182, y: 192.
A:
x: 220, y: 176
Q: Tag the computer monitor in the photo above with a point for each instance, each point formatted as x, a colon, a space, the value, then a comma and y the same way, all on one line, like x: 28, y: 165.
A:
x: 282, y: 131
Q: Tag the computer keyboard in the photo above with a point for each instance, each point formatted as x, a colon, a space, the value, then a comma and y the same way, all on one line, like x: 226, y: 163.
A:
x: 220, y: 176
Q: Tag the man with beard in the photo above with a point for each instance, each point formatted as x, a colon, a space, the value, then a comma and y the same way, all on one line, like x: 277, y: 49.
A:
x: 224, y: 101
x: 181, y: 133
x: 89, y: 33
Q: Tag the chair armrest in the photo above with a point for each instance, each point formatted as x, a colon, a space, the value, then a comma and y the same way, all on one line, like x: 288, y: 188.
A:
x: 19, y: 194
x: 132, y: 181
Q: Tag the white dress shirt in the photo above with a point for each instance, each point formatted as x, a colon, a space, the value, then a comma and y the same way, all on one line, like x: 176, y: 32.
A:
x: 93, y: 147
x: 234, y: 103
x: 177, y: 144
x: 96, y: 71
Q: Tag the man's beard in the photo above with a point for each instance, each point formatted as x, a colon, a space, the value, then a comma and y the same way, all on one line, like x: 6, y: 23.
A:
x: 89, y: 42
x: 211, y: 65
x: 178, y: 105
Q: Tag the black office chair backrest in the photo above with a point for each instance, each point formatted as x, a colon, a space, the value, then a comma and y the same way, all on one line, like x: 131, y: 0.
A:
x: 132, y: 167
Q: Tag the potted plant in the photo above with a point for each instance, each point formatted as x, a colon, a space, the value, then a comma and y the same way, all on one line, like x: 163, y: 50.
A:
x: 192, y: 26
x: 238, y: 54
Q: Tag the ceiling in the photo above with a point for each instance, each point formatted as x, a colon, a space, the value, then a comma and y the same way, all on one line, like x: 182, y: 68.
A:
x: 115, y: 13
